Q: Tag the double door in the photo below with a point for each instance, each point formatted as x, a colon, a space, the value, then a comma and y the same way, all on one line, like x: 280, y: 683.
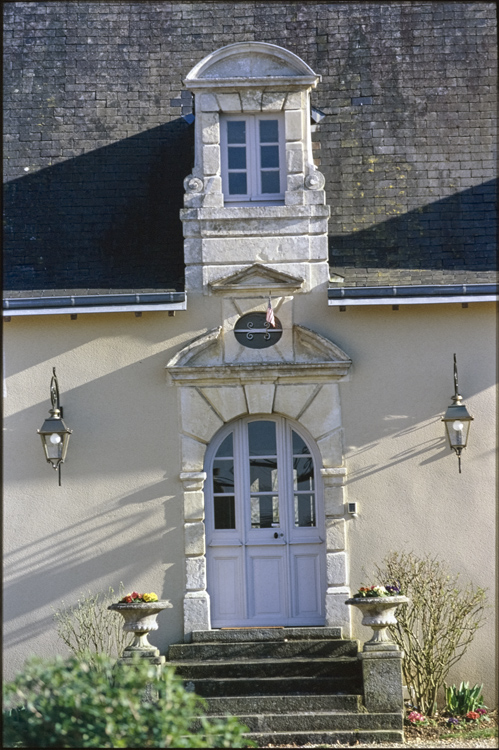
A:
x: 264, y: 527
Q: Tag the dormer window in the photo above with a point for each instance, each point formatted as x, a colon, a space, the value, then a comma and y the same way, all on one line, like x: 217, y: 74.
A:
x: 252, y: 158
x: 254, y: 195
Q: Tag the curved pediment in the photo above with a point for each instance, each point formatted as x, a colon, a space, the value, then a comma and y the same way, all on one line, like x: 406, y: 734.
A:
x: 203, y: 350
x: 250, y: 60
x: 311, y: 346
x: 316, y: 359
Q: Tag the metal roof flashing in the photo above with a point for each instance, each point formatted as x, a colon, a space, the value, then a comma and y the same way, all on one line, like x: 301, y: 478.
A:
x: 94, y: 303
x: 412, y: 295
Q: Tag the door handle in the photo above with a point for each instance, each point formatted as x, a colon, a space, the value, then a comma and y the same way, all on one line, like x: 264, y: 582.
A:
x: 276, y: 535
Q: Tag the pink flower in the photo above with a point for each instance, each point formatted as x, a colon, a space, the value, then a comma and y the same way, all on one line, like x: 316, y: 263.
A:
x: 415, y: 717
x: 472, y: 715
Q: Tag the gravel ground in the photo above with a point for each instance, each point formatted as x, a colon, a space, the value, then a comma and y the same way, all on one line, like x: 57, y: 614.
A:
x: 418, y: 737
x: 492, y: 742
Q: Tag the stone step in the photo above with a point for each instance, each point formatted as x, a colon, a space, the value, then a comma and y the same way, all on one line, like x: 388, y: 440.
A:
x: 289, y: 686
x: 237, y: 686
x: 318, y: 721
x: 240, y: 635
x: 344, y: 667
x: 284, y: 649
x: 282, y: 704
x: 292, y: 739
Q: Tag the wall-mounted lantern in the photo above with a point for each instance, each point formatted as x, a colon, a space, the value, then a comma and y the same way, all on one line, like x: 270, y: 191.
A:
x: 54, y: 433
x: 457, y: 420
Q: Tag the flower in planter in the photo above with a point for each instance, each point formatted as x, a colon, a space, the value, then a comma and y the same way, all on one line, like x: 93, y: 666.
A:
x: 392, y: 589
x: 136, y: 598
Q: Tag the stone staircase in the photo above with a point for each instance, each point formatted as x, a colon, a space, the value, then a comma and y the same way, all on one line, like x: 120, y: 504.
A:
x: 289, y: 686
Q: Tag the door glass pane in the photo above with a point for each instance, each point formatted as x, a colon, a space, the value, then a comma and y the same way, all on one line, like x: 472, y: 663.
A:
x: 262, y: 438
x: 236, y: 131
x: 223, y: 475
x: 270, y: 182
x: 237, y: 183
x: 269, y: 156
x: 263, y: 475
x: 303, y: 473
x: 269, y: 131
x: 237, y: 157
x: 225, y: 516
x: 299, y: 445
x: 226, y: 448
x: 264, y: 511
x: 305, y: 510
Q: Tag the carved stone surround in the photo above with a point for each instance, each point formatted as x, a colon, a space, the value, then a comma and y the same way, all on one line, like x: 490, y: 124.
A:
x: 301, y: 387
x: 253, y: 77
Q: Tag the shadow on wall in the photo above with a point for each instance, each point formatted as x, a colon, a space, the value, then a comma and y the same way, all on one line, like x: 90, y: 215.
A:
x: 455, y: 233
x: 129, y: 498
x: 106, y: 219
x: 71, y: 562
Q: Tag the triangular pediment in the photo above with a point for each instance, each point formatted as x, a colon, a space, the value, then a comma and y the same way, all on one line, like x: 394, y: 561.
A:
x: 258, y: 278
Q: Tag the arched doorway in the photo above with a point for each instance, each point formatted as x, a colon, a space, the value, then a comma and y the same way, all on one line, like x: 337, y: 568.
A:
x: 265, y: 536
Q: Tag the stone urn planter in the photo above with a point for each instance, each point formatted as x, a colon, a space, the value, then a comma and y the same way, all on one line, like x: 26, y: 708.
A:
x: 140, y: 619
x: 378, y: 613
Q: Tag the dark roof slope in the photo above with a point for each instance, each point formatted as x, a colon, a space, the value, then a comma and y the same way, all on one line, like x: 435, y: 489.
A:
x: 97, y: 138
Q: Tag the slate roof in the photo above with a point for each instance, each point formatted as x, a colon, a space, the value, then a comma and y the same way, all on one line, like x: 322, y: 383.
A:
x: 99, y: 137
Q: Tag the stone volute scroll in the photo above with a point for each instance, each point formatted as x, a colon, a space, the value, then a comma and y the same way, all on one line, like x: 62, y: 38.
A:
x: 315, y: 180
x: 193, y: 184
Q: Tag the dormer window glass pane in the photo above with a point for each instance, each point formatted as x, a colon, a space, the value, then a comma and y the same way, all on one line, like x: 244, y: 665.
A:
x: 269, y: 156
x: 237, y: 183
x: 236, y: 131
x: 270, y: 182
x: 269, y: 131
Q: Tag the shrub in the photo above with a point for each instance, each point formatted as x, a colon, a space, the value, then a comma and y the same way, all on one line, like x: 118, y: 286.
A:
x: 438, y: 625
x: 88, y: 626
x: 99, y: 703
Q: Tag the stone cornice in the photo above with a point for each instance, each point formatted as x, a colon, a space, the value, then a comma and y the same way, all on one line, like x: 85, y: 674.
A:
x: 315, y: 372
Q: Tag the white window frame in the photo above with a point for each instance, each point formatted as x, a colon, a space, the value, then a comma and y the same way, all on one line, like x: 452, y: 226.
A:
x: 253, y: 167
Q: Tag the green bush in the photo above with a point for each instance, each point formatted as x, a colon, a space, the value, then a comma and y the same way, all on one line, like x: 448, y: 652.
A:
x: 460, y: 700
x: 436, y: 627
x: 97, y: 702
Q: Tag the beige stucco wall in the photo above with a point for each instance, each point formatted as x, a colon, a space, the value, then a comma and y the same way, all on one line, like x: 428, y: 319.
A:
x: 118, y: 515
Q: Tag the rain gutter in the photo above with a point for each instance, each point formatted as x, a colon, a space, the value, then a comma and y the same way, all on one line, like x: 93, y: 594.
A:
x: 412, y: 295
x: 94, y: 303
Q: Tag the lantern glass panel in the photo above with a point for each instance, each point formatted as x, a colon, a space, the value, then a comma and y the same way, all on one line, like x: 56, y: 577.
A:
x: 458, y: 438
